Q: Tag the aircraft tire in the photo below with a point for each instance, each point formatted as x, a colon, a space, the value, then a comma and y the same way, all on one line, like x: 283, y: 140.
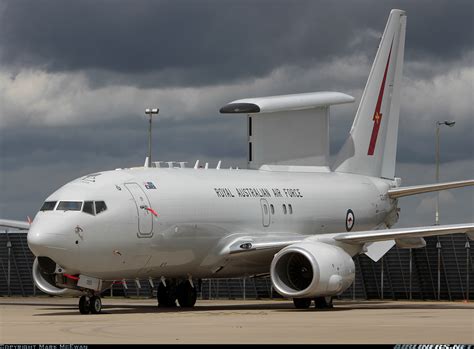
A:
x: 323, y: 302
x: 95, y: 305
x: 187, y: 295
x: 302, y: 303
x: 166, y: 295
x: 84, y: 305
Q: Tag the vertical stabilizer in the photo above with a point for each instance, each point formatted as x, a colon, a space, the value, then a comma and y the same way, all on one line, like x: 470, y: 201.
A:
x: 372, y: 144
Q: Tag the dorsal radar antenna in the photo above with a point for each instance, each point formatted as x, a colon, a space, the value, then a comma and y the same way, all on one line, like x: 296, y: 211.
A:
x: 196, y: 165
x: 218, y: 167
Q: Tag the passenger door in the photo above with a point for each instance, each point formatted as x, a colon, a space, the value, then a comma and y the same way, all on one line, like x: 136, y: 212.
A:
x: 145, y: 218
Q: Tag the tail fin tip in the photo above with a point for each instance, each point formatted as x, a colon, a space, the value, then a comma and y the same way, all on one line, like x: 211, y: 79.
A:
x: 371, y: 146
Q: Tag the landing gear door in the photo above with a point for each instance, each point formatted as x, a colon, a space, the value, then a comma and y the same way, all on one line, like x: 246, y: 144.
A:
x: 265, y: 212
x: 144, y: 216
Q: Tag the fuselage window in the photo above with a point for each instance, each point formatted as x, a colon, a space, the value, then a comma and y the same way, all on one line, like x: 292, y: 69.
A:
x: 88, y: 207
x: 284, y: 208
x: 290, y: 209
x: 69, y: 206
x: 265, y: 208
x: 48, y: 206
x: 100, y: 207
x: 272, y: 209
x: 250, y: 151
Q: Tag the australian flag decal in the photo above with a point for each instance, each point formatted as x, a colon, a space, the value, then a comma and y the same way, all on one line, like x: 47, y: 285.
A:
x: 149, y: 185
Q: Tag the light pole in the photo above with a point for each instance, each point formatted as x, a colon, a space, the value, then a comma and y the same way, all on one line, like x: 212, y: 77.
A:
x: 468, y: 250
x: 438, y: 244
x: 438, y: 124
x: 9, y: 247
x: 150, y: 112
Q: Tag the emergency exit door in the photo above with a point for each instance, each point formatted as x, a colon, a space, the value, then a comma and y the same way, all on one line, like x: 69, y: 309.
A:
x: 144, y: 216
x: 265, y: 212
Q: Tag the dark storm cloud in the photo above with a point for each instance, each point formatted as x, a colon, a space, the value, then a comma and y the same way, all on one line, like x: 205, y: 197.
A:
x: 125, y: 138
x: 206, y: 42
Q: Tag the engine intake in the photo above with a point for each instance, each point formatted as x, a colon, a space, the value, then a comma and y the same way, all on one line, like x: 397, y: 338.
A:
x: 44, y: 278
x: 311, y: 269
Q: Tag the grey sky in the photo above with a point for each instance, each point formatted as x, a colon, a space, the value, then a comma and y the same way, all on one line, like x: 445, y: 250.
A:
x: 76, y: 76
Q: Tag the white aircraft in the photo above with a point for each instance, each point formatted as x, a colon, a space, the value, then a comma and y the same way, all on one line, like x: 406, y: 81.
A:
x: 290, y: 215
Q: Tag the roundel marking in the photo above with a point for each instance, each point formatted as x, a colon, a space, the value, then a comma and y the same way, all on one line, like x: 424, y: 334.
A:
x: 350, y: 220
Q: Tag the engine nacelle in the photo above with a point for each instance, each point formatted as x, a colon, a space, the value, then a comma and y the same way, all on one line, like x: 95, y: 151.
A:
x: 44, y: 279
x: 312, y: 269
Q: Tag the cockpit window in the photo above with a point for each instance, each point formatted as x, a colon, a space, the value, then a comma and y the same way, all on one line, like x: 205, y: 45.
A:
x: 69, y: 206
x: 48, y: 206
x: 88, y: 207
x: 100, y: 207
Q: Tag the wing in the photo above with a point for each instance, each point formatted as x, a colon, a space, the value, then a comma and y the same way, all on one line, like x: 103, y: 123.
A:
x: 256, y: 252
x: 426, y: 188
x: 8, y: 223
x: 362, y: 237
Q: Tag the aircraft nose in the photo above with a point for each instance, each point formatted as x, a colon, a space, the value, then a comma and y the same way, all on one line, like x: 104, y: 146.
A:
x: 36, y: 241
x: 43, y: 241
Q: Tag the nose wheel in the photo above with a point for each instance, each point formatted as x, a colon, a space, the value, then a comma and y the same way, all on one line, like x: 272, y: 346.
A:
x: 90, y: 305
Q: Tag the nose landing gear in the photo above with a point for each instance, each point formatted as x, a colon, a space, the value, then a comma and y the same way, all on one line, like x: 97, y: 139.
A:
x: 90, y: 305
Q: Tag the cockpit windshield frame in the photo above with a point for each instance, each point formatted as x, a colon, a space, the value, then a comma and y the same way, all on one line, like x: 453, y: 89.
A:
x: 48, y: 206
x: 69, y: 205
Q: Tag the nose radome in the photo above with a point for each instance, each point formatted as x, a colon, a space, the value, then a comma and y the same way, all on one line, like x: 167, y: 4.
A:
x: 45, y: 242
x: 36, y: 241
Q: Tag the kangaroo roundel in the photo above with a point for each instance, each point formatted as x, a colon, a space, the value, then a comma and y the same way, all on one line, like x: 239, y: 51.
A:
x: 350, y: 220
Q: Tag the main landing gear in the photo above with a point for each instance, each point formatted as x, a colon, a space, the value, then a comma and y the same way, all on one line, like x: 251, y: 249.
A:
x: 170, y: 291
x: 319, y: 302
x: 90, y: 305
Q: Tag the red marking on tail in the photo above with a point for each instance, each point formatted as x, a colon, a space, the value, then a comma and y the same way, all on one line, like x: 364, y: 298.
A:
x: 377, y: 114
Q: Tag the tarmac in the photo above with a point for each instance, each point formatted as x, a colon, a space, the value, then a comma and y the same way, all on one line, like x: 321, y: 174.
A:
x: 45, y: 320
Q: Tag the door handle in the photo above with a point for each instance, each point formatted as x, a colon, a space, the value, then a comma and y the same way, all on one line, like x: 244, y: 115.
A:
x: 152, y: 211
